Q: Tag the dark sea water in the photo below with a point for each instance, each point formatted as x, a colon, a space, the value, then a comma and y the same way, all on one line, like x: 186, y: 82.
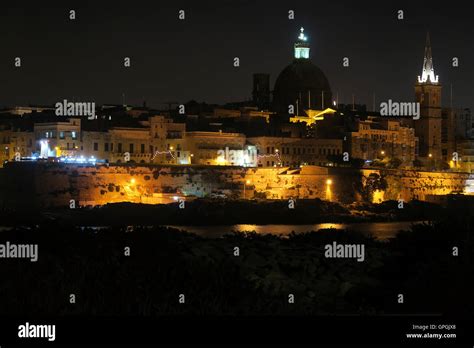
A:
x: 380, y: 230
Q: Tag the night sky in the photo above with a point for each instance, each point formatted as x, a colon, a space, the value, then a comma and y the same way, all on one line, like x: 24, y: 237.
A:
x: 174, y: 60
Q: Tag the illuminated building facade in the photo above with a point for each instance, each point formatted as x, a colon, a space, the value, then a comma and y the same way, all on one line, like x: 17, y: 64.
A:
x: 15, y: 142
x: 295, y: 152
x: 55, y: 139
x: 379, y: 138
x: 216, y: 148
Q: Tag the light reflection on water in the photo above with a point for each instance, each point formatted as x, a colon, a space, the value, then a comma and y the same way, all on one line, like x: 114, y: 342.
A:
x: 380, y: 230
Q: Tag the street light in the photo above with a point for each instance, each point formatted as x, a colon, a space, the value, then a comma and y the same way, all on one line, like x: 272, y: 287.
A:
x: 245, y: 184
x: 328, y: 190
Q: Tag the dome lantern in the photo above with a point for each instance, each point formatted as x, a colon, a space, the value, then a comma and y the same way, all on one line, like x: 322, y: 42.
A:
x: 302, y: 46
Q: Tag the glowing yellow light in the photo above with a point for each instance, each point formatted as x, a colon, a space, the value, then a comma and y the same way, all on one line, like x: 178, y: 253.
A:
x: 248, y: 182
x: 328, y: 190
x: 430, y: 155
x: 171, y: 148
x: 132, y: 181
x: 382, y: 152
x: 220, y: 160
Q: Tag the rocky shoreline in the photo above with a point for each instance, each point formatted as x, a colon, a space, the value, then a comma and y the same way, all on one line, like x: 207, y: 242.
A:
x: 226, y: 212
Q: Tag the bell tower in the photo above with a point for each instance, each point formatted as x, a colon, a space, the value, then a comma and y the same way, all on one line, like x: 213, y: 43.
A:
x: 428, y: 94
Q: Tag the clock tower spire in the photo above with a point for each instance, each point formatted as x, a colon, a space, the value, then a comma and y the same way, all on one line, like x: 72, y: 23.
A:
x: 428, y: 94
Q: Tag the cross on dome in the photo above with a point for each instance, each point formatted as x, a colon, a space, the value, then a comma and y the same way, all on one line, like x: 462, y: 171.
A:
x: 302, y: 36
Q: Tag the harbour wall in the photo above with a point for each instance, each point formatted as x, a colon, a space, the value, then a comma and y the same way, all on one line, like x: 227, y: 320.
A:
x: 47, y: 185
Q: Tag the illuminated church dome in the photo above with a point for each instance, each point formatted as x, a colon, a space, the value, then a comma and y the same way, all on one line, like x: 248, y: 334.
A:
x: 301, y: 84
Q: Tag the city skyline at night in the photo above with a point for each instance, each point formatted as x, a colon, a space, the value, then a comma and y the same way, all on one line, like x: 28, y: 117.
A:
x: 236, y: 171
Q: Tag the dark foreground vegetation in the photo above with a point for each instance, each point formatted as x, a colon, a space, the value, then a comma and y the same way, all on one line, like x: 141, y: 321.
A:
x: 230, y: 212
x: 164, y: 263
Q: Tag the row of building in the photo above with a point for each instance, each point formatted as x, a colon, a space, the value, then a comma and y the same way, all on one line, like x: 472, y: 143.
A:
x: 159, y: 139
